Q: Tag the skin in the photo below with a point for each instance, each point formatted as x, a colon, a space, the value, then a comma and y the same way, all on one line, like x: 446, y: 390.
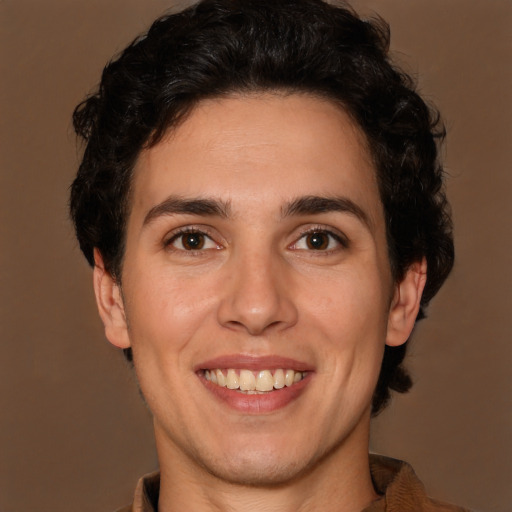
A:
x: 256, y: 288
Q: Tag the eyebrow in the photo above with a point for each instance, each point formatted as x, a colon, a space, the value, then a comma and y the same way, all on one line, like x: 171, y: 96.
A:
x: 306, y: 205
x: 314, y: 205
x: 194, y: 206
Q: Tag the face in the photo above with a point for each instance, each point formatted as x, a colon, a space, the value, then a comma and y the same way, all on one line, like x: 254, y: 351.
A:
x: 256, y: 289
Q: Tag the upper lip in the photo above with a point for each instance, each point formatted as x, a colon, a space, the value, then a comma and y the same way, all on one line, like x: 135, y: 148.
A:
x: 249, y: 362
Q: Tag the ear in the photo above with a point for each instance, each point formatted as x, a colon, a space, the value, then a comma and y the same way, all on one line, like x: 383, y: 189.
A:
x: 110, y: 304
x: 406, y: 304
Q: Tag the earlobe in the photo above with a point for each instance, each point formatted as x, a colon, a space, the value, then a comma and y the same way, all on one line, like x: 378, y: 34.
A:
x: 110, y: 304
x: 406, y: 304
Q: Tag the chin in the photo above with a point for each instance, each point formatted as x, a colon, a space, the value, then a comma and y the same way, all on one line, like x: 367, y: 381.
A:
x: 261, y: 468
x: 251, y: 473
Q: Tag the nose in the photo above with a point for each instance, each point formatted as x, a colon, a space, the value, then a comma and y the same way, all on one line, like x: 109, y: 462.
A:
x: 257, y: 295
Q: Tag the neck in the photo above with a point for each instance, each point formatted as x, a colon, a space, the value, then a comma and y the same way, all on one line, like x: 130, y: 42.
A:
x: 340, y: 481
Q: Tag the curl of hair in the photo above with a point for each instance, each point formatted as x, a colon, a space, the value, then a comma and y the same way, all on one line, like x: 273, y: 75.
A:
x: 221, y: 47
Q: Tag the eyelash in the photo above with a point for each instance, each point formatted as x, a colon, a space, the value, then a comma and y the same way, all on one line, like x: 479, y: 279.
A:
x: 337, y: 237
x: 189, y: 230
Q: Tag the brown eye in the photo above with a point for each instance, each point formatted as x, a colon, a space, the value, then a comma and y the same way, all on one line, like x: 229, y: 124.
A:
x: 192, y: 241
x: 320, y: 241
x: 317, y: 241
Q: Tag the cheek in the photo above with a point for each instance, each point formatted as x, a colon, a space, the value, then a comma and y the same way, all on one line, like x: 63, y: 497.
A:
x: 353, y: 302
x: 164, y: 311
x: 350, y: 319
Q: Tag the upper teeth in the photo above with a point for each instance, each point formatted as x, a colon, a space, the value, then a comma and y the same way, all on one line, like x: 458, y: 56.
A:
x: 247, y: 380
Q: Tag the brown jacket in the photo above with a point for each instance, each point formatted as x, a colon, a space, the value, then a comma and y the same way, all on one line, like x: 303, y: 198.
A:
x: 394, y: 480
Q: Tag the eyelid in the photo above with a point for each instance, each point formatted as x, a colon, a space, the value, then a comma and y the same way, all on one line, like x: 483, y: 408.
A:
x: 339, y: 236
x: 183, y: 230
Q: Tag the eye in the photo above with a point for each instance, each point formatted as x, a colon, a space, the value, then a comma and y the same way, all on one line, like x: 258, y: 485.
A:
x: 319, y: 240
x: 191, y: 240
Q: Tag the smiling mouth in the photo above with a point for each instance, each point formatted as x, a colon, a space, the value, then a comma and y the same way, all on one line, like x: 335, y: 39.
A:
x: 253, y: 382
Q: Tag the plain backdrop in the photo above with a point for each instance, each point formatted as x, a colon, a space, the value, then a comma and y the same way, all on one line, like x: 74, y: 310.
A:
x: 74, y: 433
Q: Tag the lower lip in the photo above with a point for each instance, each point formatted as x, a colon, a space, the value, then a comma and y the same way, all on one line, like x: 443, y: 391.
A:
x: 258, y: 403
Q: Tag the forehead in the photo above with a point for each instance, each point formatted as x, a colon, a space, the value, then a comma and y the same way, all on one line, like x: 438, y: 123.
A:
x: 248, y: 150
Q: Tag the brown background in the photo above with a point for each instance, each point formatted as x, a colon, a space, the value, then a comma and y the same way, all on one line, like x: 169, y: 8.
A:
x: 74, y: 434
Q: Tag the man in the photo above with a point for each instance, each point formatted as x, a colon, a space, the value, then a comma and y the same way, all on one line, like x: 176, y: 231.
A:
x: 261, y: 201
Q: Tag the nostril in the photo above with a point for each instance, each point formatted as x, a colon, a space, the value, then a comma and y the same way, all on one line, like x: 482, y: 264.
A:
x: 253, y: 328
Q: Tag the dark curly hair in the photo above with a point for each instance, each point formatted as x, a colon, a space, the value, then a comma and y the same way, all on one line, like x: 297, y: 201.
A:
x: 219, y: 47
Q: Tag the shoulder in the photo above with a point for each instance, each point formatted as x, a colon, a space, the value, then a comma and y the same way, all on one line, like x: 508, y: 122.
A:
x: 401, y: 489
x: 438, y: 506
x: 128, y: 508
x: 145, y: 498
